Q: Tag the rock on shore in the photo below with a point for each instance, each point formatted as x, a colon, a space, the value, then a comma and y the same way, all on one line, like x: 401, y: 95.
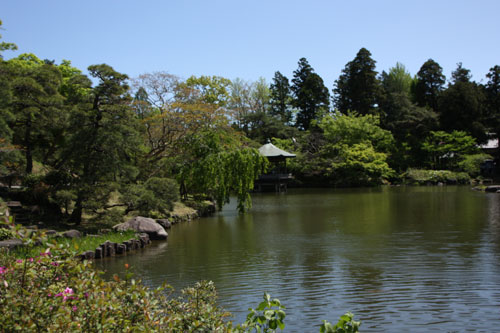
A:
x: 142, y: 224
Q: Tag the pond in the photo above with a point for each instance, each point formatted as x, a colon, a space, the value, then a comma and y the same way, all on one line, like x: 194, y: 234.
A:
x: 400, y: 258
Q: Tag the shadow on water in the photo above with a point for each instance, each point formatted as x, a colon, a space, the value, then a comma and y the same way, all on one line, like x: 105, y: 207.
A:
x: 404, y: 258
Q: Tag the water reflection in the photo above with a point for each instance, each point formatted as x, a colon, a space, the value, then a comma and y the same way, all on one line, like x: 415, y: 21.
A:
x: 409, y: 258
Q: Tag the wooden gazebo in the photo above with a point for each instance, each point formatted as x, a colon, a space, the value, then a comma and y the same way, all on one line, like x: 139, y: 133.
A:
x: 277, y: 176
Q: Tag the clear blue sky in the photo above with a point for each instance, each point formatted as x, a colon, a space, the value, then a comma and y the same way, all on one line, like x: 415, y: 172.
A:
x: 249, y: 39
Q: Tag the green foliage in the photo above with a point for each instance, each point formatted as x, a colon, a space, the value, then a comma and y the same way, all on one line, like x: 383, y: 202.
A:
x: 211, y: 89
x: 6, y: 233
x: 358, y: 89
x: 430, y: 81
x: 37, y: 106
x: 281, y: 98
x: 218, y: 172
x: 357, y: 146
x: 55, y: 292
x: 461, y: 105
x: 346, y: 324
x: 103, y: 142
x: 267, y: 317
x: 311, y: 97
x: 359, y: 165
x: 424, y: 177
x: 156, y: 194
x: 397, y: 80
x: 4, y: 45
x: 472, y: 163
x: 352, y: 129
x: 492, y: 90
x: 446, y: 149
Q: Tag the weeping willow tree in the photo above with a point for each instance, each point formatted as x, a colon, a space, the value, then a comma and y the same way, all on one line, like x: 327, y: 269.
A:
x: 221, y: 166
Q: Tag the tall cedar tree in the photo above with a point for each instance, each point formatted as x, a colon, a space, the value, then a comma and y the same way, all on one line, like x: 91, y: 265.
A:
x: 461, y: 105
x: 311, y: 96
x: 430, y: 81
x: 358, y: 89
x: 281, y: 98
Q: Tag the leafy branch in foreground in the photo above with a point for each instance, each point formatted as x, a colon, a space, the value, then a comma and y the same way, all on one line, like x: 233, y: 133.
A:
x: 268, y: 316
x: 346, y: 324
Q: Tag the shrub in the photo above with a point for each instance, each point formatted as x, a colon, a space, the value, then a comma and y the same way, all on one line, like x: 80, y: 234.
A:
x: 423, y: 177
x: 55, y: 292
x: 472, y: 163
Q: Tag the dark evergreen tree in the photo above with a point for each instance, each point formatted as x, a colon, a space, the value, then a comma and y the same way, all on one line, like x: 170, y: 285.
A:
x: 461, y: 105
x: 281, y: 98
x: 358, y: 89
x: 37, y: 107
x: 430, y: 81
x: 492, y: 89
x: 311, y: 97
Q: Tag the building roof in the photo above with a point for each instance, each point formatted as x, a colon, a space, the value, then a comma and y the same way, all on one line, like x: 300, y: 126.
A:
x: 270, y: 150
x: 491, y: 144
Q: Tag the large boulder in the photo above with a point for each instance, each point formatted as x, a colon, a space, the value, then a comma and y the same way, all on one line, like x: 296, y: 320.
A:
x: 143, y: 224
x: 72, y: 234
x: 165, y: 223
x: 492, y: 188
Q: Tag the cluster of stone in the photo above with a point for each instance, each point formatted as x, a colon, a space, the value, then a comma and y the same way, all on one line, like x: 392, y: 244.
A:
x: 110, y: 249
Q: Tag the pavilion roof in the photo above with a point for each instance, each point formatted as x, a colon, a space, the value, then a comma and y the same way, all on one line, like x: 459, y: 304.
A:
x: 270, y: 150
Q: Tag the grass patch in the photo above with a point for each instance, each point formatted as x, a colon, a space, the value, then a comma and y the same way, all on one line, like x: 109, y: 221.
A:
x: 181, y: 209
x: 77, y: 245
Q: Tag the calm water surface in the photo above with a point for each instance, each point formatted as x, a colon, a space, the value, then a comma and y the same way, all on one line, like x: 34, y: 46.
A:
x: 413, y: 259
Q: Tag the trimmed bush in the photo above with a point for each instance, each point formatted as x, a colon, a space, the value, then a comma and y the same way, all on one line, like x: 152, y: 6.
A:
x: 424, y: 177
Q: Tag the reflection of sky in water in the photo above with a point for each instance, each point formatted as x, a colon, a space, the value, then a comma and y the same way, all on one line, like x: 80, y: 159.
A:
x: 412, y: 259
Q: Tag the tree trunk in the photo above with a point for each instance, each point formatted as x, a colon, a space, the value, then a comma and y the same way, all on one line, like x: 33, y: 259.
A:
x: 76, y: 215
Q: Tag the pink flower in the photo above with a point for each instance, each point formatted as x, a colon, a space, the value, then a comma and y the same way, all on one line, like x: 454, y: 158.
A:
x: 19, y: 261
x: 30, y: 259
x: 68, y: 290
x: 58, y: 295
x: 74, y: 308
x: 54, y: 263
x: 3, y: 270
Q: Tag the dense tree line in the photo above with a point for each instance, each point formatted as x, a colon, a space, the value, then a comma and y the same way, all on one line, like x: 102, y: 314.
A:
x: 138, y: 144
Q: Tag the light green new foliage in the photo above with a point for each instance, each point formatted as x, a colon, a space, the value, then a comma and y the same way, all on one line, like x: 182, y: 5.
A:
x: 472, y: 163
x: 352, y: 129
x: 446, y: 149
x: 222, y: 173
x: 358, y: 148
x: 346, y: 324
x: 267, y: 317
